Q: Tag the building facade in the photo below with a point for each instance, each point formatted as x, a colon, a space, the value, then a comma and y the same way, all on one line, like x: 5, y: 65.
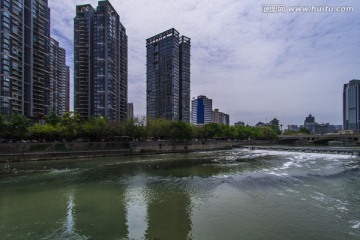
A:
x: 58, y: 79
x: 293, y: 128
x: 168, y: 76
x: 67, y: 92
x: 309, y: 123
x: 130, y: 111
x: 201, y: 110
x: 351, y: 105
x: 100, y: 62
x: 25, y: 58
x: 239, y: 123
x: 220, y: 117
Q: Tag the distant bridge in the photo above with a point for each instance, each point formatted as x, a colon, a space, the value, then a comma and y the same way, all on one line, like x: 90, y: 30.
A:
x: 320, y: 139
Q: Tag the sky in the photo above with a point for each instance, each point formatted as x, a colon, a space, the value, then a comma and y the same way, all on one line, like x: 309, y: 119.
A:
x: 254, y: 64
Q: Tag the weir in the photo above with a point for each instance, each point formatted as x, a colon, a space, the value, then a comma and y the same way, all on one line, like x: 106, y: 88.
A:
x: 343, y: 151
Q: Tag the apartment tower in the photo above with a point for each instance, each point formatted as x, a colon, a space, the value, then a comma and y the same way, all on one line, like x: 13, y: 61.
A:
x: 168, y: 76
x: 100, y: 62
x: 351, y: 105
x: 59, y: 97
x: 25, y: 58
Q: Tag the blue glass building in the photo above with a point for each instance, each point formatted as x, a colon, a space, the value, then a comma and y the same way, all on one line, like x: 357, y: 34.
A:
x: 202, y: 112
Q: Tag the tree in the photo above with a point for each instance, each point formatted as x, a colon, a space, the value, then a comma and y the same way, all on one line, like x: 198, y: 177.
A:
x: 268, y: 133
x: 3, y: 126
x: 229, y: 132
x: 276, y: 129
x: 71, y: 122
x: 17, y: 127
x: 46, y: 131
x: 290, y: 132
x: 304, y: 131
x: 211, y: 130
x: 53, y: 119
x: 181, y: 131
x: 95, y: 128
x: 159, y: 128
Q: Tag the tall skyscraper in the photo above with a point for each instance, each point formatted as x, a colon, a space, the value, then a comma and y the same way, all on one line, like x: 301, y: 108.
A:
x: 67, y: 92
x: 168, y: 76
x: 351, y: 105
x: 58, y: 79
x: 25, y: 50
x: 201, y: 110
x: 100, y: 64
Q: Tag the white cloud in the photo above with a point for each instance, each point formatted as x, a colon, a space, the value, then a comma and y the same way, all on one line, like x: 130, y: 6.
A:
x: 253, y: 65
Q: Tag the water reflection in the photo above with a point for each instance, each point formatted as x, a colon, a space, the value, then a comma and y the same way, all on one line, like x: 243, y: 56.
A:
x: 137, y: 210
x: 101, y: 212
x: 70, y: 224
x: 222, y: 195
x: 169, y: 215
x: 136, y: 203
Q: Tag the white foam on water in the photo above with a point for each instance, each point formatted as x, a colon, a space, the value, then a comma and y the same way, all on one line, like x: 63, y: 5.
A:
x: 292, y: 190
x: 302, y: 155
x: 342, y: 208
x: 356, y: 224
x: 60, y: 171
x: 278, y: 174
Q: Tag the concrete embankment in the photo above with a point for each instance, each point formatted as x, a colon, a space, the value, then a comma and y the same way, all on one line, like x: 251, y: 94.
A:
x: 308, y: 149
x: 78, y: 150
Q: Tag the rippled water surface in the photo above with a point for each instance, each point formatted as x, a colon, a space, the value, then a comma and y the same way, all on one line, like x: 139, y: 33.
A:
x: 233, y: 194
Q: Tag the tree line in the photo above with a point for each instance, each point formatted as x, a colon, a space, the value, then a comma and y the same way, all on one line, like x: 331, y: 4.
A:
x: 70, y: 126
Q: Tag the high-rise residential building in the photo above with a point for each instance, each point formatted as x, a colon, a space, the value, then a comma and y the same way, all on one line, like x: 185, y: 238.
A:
x: 59, y: 77
x: 67, y: 91
x: 220, y: 117
x: 351, y: 105
x: 309, y: 123
x: 130, y: 110
x: 100, y: 64
x: 201, y: 110
x: 168, y: 76
x: 184, y: 78
x: 83, y: 60
x: 25, y: 50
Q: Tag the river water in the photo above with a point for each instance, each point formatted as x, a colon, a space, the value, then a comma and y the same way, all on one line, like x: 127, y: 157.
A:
x: 232, y: 194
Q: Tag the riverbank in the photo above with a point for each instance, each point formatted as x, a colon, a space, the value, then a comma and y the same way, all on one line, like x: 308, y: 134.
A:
x: 77, y: 150
x: 13, y: 152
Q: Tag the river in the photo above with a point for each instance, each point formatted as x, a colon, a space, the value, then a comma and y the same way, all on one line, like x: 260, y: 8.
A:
x: 230, y: 194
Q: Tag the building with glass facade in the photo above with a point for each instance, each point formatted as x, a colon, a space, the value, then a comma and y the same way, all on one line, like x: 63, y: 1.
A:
x: 67, y: 92
x: 351, y: 105
x: 201, y: 110
x: 100, y: 62
x: 25, y: 58
x: 168, y: 76
x: 59, y: 78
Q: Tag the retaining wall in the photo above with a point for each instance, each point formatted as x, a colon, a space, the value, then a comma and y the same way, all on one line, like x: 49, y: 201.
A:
x: 52, y: 151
